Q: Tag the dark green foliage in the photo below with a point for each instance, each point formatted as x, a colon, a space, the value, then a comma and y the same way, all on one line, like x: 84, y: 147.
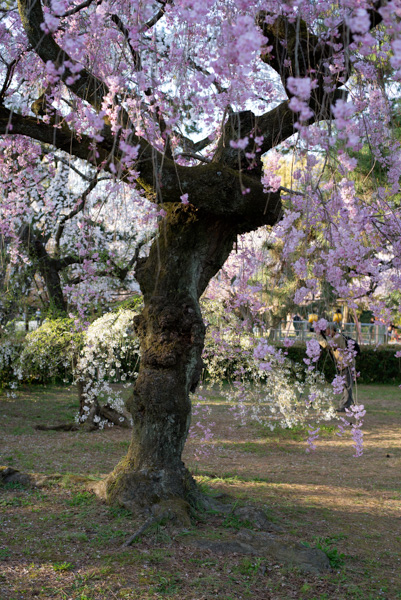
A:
x: 374, y: 365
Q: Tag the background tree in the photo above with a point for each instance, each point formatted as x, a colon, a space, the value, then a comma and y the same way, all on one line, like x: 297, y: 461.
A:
x: 125, y: 86
x: 72, y: 235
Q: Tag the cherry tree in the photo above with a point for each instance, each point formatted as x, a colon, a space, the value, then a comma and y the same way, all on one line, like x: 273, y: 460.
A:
x: 180, y: 99
x: 66, y: 225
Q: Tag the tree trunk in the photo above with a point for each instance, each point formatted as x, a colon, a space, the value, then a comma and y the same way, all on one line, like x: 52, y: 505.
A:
x: 47, y: 267
x: 188, y: 252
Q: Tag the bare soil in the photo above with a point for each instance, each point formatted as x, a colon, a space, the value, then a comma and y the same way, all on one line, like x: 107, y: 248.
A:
x: 59, y: 541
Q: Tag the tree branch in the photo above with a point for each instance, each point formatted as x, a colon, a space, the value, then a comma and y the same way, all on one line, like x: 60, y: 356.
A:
x: 296, y: 51
x: 85, y: 85
x: 8, y: 77
x: 61, y: 138
x: 116, y: 271
x: 149, y: 24
x: 213, y: 188
x: 195, y: 156
x: 299, y: 52
x: 66, y: 261
x: 135, y: 55
x: 78, y: 8
x: 79, y: 208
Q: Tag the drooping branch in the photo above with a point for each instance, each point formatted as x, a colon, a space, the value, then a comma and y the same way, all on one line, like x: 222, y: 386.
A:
x: 298, y: 52
x: 85, y: 85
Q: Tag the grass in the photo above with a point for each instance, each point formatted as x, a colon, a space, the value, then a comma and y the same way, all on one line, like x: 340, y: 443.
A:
x: 60, y: 542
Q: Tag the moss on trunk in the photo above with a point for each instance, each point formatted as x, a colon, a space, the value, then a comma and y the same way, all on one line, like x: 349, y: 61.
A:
x: 188, y: 252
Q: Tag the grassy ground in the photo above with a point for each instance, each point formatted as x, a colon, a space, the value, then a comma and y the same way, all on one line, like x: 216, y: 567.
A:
x: 58, y: 541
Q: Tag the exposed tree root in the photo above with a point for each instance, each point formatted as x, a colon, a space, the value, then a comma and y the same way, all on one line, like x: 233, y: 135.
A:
x: 97, y: 415
x: 112, y: 416
x: 147, y: 525
x: 60, y: 427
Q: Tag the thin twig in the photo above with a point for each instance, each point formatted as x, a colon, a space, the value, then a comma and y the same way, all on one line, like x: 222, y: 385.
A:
x: 289, y: 191
x: 135, y: 55
x: 8, y: 77
x: 195, y: 155
x: 149, y: 24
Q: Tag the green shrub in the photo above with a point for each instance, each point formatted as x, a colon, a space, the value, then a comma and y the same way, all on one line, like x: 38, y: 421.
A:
x: 49, y: 352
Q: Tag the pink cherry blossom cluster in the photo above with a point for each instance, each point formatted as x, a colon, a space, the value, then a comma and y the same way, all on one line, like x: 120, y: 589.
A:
x: 356, y: 412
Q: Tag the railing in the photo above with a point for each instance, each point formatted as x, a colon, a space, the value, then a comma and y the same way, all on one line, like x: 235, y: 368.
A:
x: 21, y: 326
x: 369, y: 333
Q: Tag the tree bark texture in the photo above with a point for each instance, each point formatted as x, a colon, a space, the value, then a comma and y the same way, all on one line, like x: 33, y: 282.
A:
x: 187, y: 254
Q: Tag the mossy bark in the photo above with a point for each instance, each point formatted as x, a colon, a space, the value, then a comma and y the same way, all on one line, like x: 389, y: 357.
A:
x: 188, y: 252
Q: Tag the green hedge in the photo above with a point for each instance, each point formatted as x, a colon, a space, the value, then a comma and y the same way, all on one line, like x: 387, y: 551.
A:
x: 375, y: 365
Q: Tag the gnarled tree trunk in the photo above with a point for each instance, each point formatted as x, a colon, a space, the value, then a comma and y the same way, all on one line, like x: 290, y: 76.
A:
x: 187, y: 254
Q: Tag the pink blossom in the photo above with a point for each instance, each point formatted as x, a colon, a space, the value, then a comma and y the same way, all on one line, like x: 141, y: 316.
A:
x: 359, y: 22
x: 300, y: 107
x: 241, y: 144
x: 313, y: 351
x: 50, y: 24
x: 313, y: 436
x: 343, y: 111
x: 300, y: 87
x: 395, y: 60
x: 320, y: 325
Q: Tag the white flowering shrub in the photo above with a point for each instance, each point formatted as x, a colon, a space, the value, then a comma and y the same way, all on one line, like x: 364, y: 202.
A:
x: 49, y: 352
x: 110, y: 354
x: 10, y: 372
x: 106, y: 353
